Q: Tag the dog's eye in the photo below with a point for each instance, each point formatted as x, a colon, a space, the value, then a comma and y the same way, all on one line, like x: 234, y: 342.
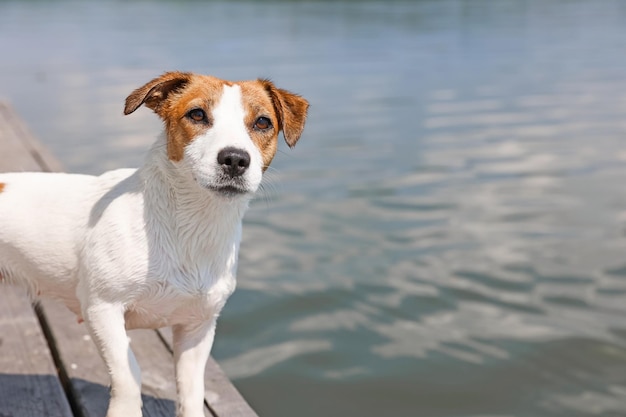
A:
x: 197, y: 115
x: 262, y: 123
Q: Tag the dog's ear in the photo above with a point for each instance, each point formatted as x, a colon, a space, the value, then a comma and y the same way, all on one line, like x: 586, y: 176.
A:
x: 291, y: 110
x: 153, y: 93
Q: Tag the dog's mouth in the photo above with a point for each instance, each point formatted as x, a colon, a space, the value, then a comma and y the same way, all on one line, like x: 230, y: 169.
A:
x: 228, y: 190
x: 226, y: 187
x: 229, y: 187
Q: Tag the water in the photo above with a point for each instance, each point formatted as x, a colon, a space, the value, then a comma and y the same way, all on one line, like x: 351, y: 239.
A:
x: 447, y: 238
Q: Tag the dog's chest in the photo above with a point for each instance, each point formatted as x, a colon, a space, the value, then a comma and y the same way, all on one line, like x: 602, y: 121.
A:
x: 176, y: 301
x: 188, y: 287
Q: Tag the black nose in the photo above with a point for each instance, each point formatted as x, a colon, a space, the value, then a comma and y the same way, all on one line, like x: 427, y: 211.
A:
x: 233, y: 161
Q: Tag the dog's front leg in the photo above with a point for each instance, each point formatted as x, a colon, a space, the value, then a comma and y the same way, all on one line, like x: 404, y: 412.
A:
x: 192, y: 346
x: 106, y: 325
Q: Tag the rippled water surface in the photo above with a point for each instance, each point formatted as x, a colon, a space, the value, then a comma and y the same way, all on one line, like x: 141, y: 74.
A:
x: 447, y: 239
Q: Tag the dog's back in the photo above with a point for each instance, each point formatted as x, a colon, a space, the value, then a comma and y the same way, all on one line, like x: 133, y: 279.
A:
x: 42, y: 217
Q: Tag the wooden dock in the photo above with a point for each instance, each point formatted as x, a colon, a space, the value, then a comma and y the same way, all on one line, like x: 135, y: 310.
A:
x: 49, y: 367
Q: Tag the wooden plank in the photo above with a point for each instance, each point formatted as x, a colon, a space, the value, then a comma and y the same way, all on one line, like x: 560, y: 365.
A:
x: 29, y: 384
x: 19, y: 150
x: 220, y: 394
x: 15, y: 155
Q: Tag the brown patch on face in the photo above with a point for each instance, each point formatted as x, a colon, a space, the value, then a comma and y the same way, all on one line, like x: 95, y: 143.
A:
x: 286, y: 111
x: 258, y: 103
x: 2, y: 186
x: 202, y: 92
x: 291, y: 110
x: 172, y: 96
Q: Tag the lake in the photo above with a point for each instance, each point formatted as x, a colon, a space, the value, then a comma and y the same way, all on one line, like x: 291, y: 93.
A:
x: 448, y: 238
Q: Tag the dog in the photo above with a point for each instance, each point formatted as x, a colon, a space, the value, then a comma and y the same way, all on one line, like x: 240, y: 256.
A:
x: 155, y: 246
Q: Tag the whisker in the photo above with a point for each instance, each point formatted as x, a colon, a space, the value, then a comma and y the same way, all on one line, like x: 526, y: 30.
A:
x: 269, y: 189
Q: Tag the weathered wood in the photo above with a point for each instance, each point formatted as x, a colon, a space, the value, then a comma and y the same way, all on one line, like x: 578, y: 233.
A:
x: 80, y: 366
x: 29, y: 385
x: 219, y: 393
x: 16, y: 154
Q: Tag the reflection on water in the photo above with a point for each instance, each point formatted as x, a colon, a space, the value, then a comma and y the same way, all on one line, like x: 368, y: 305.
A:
x: 448, y: 237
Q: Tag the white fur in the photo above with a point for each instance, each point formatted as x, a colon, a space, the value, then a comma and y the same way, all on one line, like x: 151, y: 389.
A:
x: 136, y: 248
x: 228, y: 130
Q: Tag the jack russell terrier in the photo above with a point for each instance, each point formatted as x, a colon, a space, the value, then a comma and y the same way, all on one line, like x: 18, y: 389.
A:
x: 156, y: 246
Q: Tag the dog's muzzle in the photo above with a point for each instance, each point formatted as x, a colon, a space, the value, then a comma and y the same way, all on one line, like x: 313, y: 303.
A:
x: 234, y: 162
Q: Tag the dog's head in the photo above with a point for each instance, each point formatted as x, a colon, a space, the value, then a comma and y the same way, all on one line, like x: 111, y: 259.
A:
x: 225, y: 132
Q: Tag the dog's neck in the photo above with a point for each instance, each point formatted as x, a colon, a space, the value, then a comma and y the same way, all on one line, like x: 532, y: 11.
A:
x: 193, y: 216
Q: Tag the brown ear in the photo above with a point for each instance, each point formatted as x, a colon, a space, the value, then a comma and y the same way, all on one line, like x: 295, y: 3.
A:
x: 154, y: 92
x: 291, y: 110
